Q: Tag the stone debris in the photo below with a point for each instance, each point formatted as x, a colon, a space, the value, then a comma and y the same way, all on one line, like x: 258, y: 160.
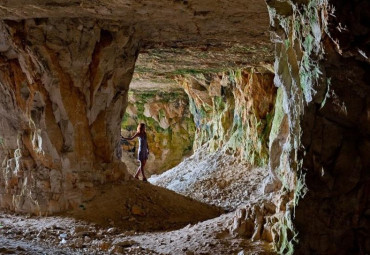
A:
x: 214, y: 178
x: 136, y: 210
x: 201, y: 238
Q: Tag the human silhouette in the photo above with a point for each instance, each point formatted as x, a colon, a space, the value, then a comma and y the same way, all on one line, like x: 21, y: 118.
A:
x: 143, y: 151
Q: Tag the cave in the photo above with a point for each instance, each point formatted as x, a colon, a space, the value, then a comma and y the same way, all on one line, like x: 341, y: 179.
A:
x: 258, y: 111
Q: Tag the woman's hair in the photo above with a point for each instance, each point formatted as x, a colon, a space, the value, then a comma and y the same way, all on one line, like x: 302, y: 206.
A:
x: 141, y: 128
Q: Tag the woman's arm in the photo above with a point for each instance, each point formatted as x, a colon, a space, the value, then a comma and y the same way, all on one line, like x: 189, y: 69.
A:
x: 130, y: 138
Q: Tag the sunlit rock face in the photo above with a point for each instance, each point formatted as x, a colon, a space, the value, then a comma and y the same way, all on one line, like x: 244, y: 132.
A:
x: 64, y: 86
x: 169, y: 125
x: 233, y: 111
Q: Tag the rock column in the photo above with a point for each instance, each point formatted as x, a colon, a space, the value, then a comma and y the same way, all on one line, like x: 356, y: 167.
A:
x: 63, y: 92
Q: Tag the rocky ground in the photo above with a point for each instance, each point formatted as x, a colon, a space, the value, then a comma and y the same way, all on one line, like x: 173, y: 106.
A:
x: 60, y: 235
x: 141, y: 218
x: 218, y: 179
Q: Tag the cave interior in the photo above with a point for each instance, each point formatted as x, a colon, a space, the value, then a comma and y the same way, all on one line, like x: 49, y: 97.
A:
x: 257, y: 114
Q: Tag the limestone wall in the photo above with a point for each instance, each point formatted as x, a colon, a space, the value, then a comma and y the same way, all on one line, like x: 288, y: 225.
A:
x: 336, y: 138
x: 233, y: 111
x: 63, y: 91
x: 319, y: 141
x: 320, y: 131
x: 170, y: 127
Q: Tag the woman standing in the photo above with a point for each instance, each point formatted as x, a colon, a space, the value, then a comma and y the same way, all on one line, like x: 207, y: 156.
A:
x: 143, y: 151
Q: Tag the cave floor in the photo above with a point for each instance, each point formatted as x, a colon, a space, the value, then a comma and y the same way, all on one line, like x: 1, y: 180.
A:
x: 141, y: 218
x: 44, y: 235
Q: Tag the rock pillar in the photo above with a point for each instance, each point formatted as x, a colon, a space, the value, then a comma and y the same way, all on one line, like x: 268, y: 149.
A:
x: 63, y: 92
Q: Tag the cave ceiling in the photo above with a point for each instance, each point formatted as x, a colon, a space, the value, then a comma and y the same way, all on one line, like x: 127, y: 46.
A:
x: 177, y: 36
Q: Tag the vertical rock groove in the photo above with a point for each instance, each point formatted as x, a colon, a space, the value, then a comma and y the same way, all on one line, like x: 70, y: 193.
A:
x: 64, y: 90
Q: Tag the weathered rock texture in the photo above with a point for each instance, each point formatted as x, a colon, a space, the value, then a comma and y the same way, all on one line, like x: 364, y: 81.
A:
x: 320, y: 137
x: 233, y: 111
x: 162, y: 65
x: 170, y: 126
x: 64, y: 85
x: 65, y: 70
x: 166, y: 22
x: 336, y: 136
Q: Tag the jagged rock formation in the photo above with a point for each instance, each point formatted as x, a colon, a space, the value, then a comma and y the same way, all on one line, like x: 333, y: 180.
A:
x: 336, y: 135
x: 319, y: 148
x: 170, y: 126
x: 233, y: 111
x: 64, y: 81
x: 63, y: 89
x: 66, y: 67
x: 319, y: 136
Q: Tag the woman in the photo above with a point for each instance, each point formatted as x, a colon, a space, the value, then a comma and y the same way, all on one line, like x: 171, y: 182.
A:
x: 143, y: 151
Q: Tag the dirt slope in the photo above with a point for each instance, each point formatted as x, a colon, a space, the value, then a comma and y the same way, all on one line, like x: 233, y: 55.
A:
x: 120, y: 218
x: 144, y: 207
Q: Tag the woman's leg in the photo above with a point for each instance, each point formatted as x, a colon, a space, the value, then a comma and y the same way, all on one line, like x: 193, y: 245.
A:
x: 138, y: 170
x: 142, y: 165
x: 141, y: 169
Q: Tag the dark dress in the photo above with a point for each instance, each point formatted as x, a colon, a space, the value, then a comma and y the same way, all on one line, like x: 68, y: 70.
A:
x: 143, y: 148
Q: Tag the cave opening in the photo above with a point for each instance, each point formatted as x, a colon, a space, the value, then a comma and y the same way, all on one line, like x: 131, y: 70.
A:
x: 208, y: 120
x: 164, y: 108
x: 299, y: 114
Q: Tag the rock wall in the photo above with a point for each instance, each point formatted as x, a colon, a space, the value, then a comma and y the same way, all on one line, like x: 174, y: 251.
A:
x: 233, y: 111
x: 320, y: 137
x: 170, y: 126
x: 64, y: 72
x: 336, y: 138
x: 63, y: 91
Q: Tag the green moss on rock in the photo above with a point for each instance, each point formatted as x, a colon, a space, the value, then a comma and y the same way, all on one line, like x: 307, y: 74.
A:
x: 218, y: 104
x: 169, y: 124
x: 298, y: 54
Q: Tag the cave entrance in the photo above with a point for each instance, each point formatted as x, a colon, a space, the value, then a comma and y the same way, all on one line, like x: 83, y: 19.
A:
x: 208, y: 111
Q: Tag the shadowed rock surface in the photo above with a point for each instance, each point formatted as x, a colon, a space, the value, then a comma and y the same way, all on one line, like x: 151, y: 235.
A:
x: 164, y: 21
x: 65, y: 70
